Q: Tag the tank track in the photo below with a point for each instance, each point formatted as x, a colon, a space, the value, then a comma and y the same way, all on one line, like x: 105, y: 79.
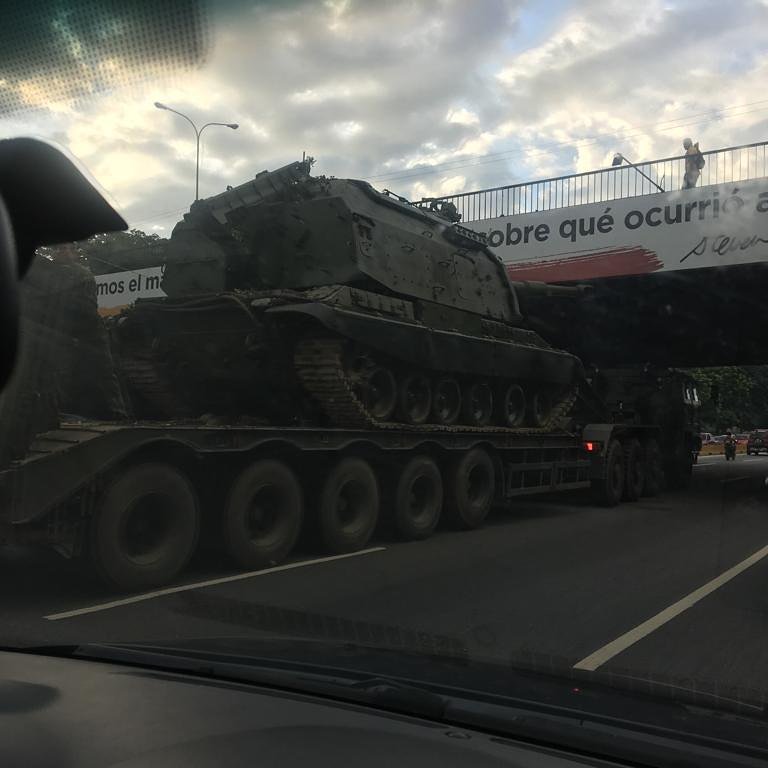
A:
x: 142, y: 376
x: 319, y: 364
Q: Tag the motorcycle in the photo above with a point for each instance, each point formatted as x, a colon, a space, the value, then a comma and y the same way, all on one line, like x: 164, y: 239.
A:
x: 729, y: 447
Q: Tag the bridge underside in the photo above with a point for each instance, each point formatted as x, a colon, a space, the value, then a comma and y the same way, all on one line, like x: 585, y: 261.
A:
x: 705, y: 317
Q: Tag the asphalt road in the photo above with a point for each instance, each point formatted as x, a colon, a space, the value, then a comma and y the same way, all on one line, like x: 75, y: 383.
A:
x: 660, y: 587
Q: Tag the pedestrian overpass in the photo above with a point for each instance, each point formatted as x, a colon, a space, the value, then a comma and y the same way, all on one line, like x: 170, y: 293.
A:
x: 680, y: 277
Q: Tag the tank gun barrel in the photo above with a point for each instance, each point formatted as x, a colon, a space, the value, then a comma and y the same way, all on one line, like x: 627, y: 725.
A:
x: 534, y: 289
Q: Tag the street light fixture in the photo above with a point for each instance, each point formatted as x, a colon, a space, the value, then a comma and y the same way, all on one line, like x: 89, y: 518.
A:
x: 198, y: 132
x: 618, y: 159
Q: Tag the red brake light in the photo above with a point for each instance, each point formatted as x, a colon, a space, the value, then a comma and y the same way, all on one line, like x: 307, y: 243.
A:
x: 591, y: 446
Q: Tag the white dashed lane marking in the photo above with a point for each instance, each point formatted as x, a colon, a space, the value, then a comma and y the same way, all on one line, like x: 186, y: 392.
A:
x: 201, y: 584
x: 615, y: 647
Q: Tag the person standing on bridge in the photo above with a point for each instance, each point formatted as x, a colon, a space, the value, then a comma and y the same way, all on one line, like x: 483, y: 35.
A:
x: 694, y: 162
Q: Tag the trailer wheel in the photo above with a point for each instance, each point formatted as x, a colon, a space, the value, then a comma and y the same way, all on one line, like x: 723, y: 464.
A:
x: 471, y: 485
x: 634, y: 480
x: 418, y: 499
x: 608, y: 491
x: 145, y: 528
x: 349, y: 506
x: 264, y: 515
x: 654, y: 471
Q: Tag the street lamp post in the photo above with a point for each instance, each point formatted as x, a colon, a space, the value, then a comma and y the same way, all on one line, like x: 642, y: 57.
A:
x: 618, y: 159
x: 198, y: 133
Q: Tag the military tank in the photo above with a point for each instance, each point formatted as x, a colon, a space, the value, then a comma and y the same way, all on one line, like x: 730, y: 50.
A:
x: 308, y: 300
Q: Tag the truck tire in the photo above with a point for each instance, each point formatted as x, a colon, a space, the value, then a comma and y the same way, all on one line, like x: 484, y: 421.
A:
x: 145, y: 528
x: 264, y: 515
x: 471, y: 489
x: 634, y: 463
x: 349, y: 506
x: 418, y: 499
x: 608, y: 491
x: 654, y: 470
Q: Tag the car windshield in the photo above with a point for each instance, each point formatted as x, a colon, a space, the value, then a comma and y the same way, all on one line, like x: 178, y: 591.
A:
x: 436, y: 328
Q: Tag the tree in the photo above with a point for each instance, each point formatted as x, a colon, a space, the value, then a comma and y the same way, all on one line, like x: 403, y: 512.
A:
x: 732, y: 397
x: 759, y: 396
x: 118, y: 251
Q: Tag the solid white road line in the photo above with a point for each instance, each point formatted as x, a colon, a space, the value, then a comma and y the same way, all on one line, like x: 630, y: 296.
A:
x: 607, y: 652
x: 209, y: 583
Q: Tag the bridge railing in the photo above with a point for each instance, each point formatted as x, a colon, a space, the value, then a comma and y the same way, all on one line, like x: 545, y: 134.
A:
x: 722, y: 166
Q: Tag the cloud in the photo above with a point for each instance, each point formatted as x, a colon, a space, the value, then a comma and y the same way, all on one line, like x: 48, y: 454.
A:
x: 425, y: 98
x: 447, y: 185
x: 640, y: 78
x: 339, y: 91
x: 462, y: 117
x: 347, y: 129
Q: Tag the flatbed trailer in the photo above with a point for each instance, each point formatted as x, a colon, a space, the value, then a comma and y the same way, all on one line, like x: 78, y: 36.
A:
x: 138, y: 498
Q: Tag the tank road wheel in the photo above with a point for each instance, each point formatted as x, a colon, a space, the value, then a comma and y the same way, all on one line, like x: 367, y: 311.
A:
x: 512, y: 406
x: 414, y: 398
x: 609, y: 491
x: 477, y: 404
x: 654, y: 469
x: 264, y: 515
x: 446, y: 401
x: 471, y: 488
x: 634, y: 463
x: 541, y: 407
x: 379, y: 393
x: 374, y: 385
x: 145, y: 528
x: 418, y: 499
x: 349, y: 506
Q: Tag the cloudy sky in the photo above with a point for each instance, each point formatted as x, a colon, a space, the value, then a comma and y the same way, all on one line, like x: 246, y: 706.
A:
x: 423, y: 98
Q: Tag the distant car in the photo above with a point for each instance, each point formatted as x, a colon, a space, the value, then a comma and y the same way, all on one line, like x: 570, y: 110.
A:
x: 758, y: 441
x: 706, y: 438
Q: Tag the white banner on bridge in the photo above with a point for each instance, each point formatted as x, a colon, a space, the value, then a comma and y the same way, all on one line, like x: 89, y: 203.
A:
x: 120, y: 289
x: 714, y: 225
